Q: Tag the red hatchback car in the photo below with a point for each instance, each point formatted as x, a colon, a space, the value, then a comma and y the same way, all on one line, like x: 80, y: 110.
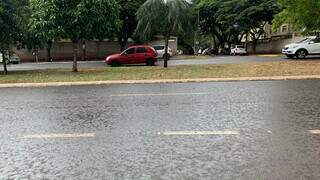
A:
x: 134, y: 55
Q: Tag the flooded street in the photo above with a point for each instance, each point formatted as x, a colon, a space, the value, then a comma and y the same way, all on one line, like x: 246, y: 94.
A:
x: 233, y: 130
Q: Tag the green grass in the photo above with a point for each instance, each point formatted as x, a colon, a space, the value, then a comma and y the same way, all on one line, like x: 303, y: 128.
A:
x: 177, y: 72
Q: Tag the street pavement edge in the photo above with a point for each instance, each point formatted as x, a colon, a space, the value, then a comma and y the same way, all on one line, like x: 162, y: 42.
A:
x: 199, y: 80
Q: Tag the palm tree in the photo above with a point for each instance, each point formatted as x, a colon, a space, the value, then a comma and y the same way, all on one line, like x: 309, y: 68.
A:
x: 162, y: 17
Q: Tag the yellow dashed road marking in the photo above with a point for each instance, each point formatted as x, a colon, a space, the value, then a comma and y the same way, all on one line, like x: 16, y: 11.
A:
x: 47, y: 136
x: 314, y: 131
x: 190, y: 133
x: 164, y: 94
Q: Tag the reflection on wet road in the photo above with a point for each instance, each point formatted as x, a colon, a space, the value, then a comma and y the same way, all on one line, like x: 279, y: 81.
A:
x: 234, y: 130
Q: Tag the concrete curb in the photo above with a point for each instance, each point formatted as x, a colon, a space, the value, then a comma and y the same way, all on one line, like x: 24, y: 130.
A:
x: 57, y: 84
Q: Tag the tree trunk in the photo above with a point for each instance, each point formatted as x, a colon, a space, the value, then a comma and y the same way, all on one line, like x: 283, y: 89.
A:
x: 84, y: 53
x: 211, y: 44
x: 166, y: 51
x: 36, y: 55
x: 255, y: 40
x: 215, y: 48
x: 229, y: 47
x: 98, y: 49
x: 254, y: 46
x: 247, y: 40
x: 49, y: 46
x: 122, y: 48
x: 75, y: 55
x: 4, y: 61
x: 221, y: 44
x: 123, y: 44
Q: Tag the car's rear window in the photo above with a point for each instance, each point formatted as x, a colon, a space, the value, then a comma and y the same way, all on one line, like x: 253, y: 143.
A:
x: 240, y: 46
x: 158, y: 47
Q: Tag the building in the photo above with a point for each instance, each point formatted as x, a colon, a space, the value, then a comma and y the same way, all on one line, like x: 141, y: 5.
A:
x: 273, y: 41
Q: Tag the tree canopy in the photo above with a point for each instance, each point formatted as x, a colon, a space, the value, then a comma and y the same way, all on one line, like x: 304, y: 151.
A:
x: 75, y: 20
x: 302, y: 14
x: 11, y: 12
x: 162, y: 17
x: 127, y: 16
x: 229, y: 20
x: 165, y: 17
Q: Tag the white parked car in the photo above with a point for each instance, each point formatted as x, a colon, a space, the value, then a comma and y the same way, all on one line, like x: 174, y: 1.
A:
x: 14, y: 59
x: 161, y: 51
x: 308, y: 46
x: 1, y: 58
x: 238, y: 50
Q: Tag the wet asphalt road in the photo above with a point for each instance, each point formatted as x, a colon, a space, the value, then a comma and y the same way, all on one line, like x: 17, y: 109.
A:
x: 94, y: 64
x: 130, y: 129
x: 173, y: 62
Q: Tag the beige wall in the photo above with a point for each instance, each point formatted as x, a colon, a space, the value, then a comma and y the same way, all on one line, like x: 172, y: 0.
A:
x: 273, y: 42
x: 284, y: 30
x: 95, y: 50
x: 63, y: 51
x: 274, y: 45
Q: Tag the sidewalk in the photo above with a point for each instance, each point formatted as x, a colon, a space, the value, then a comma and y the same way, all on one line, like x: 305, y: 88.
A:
x: 84, y: 83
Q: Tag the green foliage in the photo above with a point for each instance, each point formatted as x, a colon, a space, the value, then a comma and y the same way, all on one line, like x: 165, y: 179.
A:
x: 128, y: 10
x: 76, y: 19
x: 42, y: 21
x: 9, y: 22
x: 165, y: 17
x: 162, y: 17
x: 228, y: 20
x: 186, y: 38
x: 302, y: 14
x: 257, y: 12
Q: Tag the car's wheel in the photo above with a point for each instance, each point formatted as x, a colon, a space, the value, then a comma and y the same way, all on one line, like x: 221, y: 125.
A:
x: 301, y: 54
x: 150, y: 62
x: 115, y: 63
x: 290, y: 56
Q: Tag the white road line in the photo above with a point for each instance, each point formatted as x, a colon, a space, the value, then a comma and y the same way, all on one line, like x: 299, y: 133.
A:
x: 190, y: 133
x: 47, y: 136
x: 314, y: 131
x: 160, y: 94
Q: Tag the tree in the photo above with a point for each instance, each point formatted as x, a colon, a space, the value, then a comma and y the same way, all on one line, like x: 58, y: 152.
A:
x: 218, y: 19
x: 302, y: 14
x: 162, y: 17
x: 189, y: 36
x: 75, y: 20
x: 256, y: 15
x: 128, y: 10
x: 42, y: 28
x: 229, y: 20
x: 10, y: 26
